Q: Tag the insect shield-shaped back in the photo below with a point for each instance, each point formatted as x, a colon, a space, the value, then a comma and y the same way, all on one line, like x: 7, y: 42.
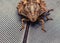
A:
x: 33, y: 10
x: 30, y: 9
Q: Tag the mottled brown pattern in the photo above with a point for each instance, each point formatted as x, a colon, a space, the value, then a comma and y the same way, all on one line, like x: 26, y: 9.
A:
x: 33, y: 10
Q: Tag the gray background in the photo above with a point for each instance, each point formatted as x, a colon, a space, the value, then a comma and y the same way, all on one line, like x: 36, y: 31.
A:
x: 10, y: 24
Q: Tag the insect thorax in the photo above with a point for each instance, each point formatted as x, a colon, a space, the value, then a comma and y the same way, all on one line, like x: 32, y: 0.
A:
x: 32, y: 7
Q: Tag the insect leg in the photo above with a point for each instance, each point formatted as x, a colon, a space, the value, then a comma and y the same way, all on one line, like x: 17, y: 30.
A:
x: 48, y: 18
x: 42, y: 24
x: 22, y: 24
x: 23, y: 19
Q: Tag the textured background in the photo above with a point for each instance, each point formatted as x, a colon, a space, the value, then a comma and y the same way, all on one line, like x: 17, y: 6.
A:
x: 10, y: 24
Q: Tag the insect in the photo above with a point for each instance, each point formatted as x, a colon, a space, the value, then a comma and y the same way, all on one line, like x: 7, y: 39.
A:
x: 33, y: 10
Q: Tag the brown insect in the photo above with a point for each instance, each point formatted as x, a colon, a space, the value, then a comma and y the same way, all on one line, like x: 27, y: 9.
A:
x: 33, y: 10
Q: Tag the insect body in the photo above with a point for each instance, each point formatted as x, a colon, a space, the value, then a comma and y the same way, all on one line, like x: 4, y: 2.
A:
x: 33, y: 10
